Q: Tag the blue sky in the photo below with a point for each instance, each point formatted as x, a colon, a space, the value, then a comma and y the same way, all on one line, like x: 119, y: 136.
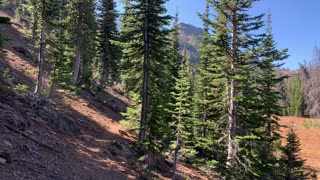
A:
x: 295, y: 23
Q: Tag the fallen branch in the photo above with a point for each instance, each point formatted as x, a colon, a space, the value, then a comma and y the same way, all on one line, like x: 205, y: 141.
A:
x: 31, y: 138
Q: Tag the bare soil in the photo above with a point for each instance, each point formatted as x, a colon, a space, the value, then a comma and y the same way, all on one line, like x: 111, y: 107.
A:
x: 309, y: 139
x: 84, y: 137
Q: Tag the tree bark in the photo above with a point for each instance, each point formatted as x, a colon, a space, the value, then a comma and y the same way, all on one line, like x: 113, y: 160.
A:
x: 145, y: 83
x: 38, y: 88
x: 77, y: 61
x: 176, y: 151
x: 232, y: 103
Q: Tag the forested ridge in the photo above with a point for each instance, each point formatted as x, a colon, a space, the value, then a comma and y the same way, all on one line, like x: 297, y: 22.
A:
x: 218, y: 114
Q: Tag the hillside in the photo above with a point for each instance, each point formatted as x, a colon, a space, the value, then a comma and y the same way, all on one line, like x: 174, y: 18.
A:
x: 72, y: 136
x: 190, y: 39
x: 309, y: 135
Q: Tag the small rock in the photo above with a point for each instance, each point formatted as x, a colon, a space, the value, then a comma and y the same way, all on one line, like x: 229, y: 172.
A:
x: 5, y: 145
x: 2, y: 161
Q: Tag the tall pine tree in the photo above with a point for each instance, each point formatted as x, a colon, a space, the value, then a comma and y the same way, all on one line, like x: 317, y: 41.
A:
x: 109, y: 51
x: 146, y: 71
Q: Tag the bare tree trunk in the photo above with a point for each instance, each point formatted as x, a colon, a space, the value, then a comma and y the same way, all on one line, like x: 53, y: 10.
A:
x: 38, y: 88
x: 102, y: 82
x: 176, y: 151
x: 76, y: 65
x: 145, y: 85
x: 105, y: 71
x: 77, y: 61
x: 178, y: 146
x: 232, y: 104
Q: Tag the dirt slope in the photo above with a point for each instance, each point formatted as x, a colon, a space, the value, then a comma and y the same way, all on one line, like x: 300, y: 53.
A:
x: 70, y: 137
x: 309, y: 136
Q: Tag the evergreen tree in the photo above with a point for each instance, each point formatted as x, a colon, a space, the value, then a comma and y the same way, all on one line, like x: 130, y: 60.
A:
x: 290, y: 161
x: 46, y: 12
x: 108, y: 36
x: 146, y: 71
x: 182, y: 113
x: 242, y: 58
x: 295, y: 93
x: 208, y: 102
x: 264, y: 100
x: 234, y: 38
x: 82, y: 30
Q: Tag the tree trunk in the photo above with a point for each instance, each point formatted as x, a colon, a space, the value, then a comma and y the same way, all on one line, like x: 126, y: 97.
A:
x: 176, y: 151
x: 232, y: 104
x: 105, y: 70
x: 145, y: 83
x: 77, y: 61
x: 76, y: 65
x: 38, y: 88
x: 102, y: 82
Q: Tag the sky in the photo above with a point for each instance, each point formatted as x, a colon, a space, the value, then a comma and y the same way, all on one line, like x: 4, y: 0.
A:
x: 295, y: 24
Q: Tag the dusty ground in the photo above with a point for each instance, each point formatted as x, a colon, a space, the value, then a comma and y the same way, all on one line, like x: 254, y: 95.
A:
x: 92, y: 145
x: 309, y: 138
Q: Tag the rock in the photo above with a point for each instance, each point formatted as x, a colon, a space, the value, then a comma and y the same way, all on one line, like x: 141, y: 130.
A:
x: 7, y: 156
x: 5, y: 150
x: 22, y: 50
x: 2, y: 161
x: 5, y: 145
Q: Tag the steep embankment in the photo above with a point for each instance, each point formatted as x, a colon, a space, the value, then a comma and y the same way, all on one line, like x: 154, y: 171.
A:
x: 69, y: 137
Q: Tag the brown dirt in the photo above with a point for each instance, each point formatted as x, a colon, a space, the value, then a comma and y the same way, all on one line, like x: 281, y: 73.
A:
x: 88, y: 152
x: 309, y: 139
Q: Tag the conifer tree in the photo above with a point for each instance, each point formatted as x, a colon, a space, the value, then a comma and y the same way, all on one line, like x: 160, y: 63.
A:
x: 46, y: 12
x: 82, y: 27
x: 234, y: 28
x: 208, y: 115
x: 146, y: 70
x: 264, y: 100
x: 182, y: 113
x: 236, y: 49
x: 290, y: 162
x: 295, y: 95
x: 108, y: 36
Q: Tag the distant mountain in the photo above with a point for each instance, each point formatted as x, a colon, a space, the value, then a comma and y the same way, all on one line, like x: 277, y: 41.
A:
x: 190, y: 39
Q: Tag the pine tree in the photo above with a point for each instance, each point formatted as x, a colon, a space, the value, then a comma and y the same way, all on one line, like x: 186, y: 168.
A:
x: 108, y: 37
x: 234, y: 29
x: 182, y: 113
x: 46, y: 12
x: 292, y: 164
x: 82, y: 29
x: 208, y: 102
x: 242, y: 58
x: 264, y: 100
x: 295, y: 95
x: 146, y: 71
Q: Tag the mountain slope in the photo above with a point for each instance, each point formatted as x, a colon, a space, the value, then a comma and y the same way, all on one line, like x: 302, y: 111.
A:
x: 69, y: 137
x: 190, y: 39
